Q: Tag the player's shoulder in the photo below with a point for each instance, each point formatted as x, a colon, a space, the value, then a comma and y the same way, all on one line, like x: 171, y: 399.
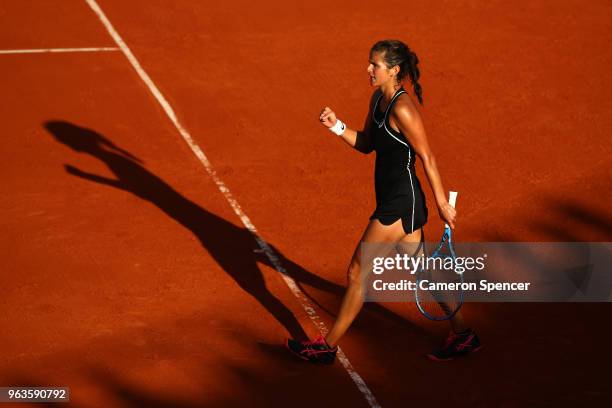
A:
x: 405, y: 109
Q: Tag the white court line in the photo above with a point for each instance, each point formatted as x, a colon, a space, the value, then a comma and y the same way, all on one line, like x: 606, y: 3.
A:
x: 47, y: 50
x: 265, y: 247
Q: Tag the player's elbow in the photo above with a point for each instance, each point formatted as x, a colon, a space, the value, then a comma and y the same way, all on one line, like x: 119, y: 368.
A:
x: 364, y: 149
x: 428, y: 159
x: 363, y: 143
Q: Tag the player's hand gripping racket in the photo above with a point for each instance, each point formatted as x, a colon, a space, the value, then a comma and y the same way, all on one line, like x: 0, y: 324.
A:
x: 435, y: 298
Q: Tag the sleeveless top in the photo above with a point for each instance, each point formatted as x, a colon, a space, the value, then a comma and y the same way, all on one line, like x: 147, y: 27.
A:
x: 394, y: 170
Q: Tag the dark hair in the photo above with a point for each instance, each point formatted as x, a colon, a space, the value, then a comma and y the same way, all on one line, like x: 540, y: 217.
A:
x: 395, y: 52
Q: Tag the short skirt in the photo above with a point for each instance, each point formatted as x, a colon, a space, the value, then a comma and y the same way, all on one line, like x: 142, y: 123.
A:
x: 412, y: 212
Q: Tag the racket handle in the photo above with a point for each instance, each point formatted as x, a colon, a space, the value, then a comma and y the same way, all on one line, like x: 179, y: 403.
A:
x: 452, y: 200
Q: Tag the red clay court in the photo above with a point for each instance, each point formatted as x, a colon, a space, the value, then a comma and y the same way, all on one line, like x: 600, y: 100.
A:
x: 163, y: 166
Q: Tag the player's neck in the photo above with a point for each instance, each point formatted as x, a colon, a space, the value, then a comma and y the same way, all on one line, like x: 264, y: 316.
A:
x: 389, y: 89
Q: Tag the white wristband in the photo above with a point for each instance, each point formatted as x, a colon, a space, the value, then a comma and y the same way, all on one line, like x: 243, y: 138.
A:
x: 338, y: 128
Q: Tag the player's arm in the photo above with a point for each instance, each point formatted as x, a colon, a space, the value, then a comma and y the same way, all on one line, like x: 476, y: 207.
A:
x: 94, y: 177
x: 410, y: 125
x: 360, y: 140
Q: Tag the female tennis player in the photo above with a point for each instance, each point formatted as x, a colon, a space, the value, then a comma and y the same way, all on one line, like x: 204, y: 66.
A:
x: 395, y: 131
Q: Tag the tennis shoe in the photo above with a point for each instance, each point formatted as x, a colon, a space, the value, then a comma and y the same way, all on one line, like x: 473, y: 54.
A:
x: 315, y: 351
x: 457, y: 345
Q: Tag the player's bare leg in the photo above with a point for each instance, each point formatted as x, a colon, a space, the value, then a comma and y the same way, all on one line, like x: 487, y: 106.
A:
x: 381, y: 239
x: 377, y: 233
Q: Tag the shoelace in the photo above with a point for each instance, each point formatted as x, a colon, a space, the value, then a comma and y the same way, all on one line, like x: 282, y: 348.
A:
x: 317, y: 341
x: 450, y: 339
x: 309, y: 346
x: 466, y: 343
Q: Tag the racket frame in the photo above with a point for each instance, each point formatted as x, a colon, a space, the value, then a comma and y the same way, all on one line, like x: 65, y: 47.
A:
x: 447, y: 237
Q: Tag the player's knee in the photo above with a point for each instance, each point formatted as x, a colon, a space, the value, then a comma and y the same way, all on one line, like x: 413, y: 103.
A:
x: 354, y: 273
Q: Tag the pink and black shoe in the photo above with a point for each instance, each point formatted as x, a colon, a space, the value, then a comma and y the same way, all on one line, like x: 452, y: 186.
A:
x: 315, y: 351
x: 457, y: 345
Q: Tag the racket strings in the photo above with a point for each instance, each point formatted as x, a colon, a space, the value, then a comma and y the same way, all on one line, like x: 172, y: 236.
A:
x: 437, y: 298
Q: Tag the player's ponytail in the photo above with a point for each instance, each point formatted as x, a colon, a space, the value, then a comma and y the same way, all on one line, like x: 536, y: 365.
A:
x: 411, y: 66
x: 397, y: 53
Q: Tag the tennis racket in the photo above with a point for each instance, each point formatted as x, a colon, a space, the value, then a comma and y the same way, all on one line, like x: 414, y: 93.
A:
x: 435, y: 297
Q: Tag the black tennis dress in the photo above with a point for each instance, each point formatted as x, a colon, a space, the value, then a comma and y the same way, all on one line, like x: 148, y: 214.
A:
x: 398, y: 191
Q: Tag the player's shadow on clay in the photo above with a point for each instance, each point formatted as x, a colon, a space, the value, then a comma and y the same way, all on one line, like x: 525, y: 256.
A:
x: 231, y: 247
